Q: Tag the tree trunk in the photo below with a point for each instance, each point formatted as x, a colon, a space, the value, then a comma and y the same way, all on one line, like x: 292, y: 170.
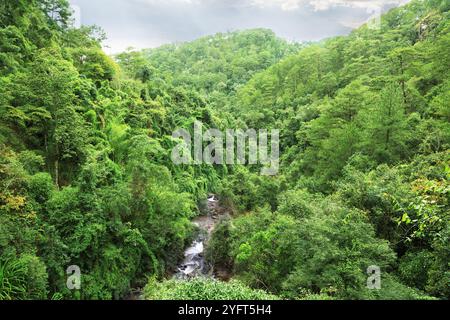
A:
x: 57, y: 173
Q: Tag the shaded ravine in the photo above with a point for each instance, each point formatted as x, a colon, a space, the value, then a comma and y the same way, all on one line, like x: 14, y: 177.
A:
x: 194, y: 263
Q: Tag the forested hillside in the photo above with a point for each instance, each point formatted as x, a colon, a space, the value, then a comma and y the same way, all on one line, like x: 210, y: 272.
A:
x: 365, y: 174
x: 86, y: 176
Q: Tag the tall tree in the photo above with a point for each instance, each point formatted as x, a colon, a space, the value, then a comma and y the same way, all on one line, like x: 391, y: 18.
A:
x: 386, y: 127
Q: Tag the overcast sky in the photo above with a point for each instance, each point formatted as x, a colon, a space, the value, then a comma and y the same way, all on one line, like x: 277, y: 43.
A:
x: 151, y: 23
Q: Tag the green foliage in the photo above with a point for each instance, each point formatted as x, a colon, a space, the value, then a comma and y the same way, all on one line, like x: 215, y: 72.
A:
x: 23, y: 278
x: 41, y: 187
x: 375, y: 93
x: 12, y: 280
x: 339, y: 246
x: 86, y: 177
x: 414, y: 267
x: 387, y: 126
x: 218, y: 248
x: 439, y: 275
x: 248, y: 190
x: 263, y: 249
x: 202, y: 289
x: 36, y: 277
x: 297, y: 203
x: 392, y: 289
x: 327, y: 251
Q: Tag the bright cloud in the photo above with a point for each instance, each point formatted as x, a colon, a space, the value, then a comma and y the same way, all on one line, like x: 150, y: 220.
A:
x: 287, y: 5
x: 320, y: 5
x: 366, y: 4
x: 150, y: 23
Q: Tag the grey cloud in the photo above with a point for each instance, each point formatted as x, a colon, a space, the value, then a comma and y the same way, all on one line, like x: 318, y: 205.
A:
x: 150, y: 23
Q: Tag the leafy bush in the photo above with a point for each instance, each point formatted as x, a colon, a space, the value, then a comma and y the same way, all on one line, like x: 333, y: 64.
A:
x: 327, y: 252
x: 392, y: 289
x: 12, y: 280
x: 298, y: 204
x: 36, y: 277
x: 23, y: 278
x: 202, y: 289
x: 40, y: 187
x: 218, y: 247
x: 414, y: 268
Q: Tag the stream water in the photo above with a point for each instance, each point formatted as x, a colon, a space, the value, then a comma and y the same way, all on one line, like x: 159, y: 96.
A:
x: 194, y: 263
